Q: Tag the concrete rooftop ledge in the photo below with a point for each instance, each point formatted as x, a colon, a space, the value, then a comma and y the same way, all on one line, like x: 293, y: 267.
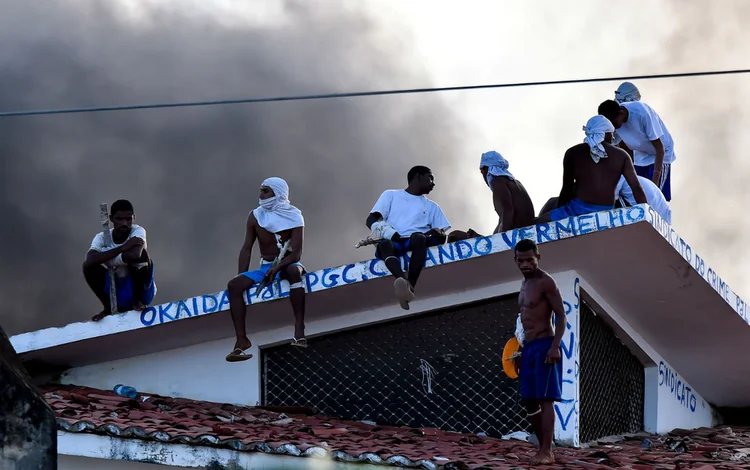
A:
x: 339, y: 290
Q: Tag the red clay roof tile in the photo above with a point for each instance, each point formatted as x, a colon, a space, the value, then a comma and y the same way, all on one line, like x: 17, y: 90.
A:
x: 295, y: 431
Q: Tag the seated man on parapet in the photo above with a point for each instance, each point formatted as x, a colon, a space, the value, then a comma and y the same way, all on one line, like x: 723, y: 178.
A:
x: 275, y: 224
x: 406, y: 220
x: 127, y: 255
x: 654, y: 196
x: 591, y: 171
x: 512, y: 203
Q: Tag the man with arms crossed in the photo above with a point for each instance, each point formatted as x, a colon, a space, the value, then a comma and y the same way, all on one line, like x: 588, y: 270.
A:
x: 591, y: 171
x: 272, y: 223
x: 134, y: 271
x: 541, y: 365
x: 406, y: 220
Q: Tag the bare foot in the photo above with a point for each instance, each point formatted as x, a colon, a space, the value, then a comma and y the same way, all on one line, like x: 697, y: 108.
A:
x: 543, y: 458
x: 139, y: 306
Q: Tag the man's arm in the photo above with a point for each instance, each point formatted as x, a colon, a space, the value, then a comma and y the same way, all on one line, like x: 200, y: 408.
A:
x: 568, y: 191
x: 628, y: 171
x: 247, y: 246
x: 131, y: 251
x: 658, y: 160
x: 554, y: 298
x: 372, y: 218
x: 297, y: 237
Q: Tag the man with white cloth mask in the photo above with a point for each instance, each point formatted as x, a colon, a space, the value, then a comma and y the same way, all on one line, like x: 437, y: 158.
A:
x: 627, y: 92
x: 512, y: 202
x: 407, y: 221
x: 642, y: 133
x: 274, y: 222
x: 591, y: 171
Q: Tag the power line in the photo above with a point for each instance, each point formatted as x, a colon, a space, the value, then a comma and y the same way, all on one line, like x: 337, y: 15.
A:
x: 364, y: 93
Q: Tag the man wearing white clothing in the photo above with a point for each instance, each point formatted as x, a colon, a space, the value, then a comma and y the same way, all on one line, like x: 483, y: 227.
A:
x: 406, y: 220
x: 641, y: 132
x: 624, y: 195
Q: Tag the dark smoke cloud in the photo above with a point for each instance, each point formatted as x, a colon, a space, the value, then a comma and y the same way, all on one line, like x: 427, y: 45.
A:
x: 707, y: 116
x: 193, y: 173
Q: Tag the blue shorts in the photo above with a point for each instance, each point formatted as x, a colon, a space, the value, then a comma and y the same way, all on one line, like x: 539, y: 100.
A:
x: 258, y: 275
x: 124, y: 288
x: 574, y: 208
x: 665, y: 183
x: 539, y: 380
x: 403, y: 246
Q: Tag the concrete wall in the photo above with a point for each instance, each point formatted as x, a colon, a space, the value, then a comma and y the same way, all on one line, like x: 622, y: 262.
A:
x: 28, y: 431
x: 670, y: 402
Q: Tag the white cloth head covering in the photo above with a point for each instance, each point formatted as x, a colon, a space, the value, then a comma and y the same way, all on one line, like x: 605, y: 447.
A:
x: 627, y: 92
x: 595, y: 129
x: 496, y: 164
x: 279, y: 215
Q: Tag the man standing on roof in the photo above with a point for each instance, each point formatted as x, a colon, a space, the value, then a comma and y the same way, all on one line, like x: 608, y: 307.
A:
x: 644, y: 135
x: 591, y: 171
x: 512, y: 203
x: 274, y: 222
x: 406, y: 220
x: 655, y: 198
x: 134, y: 270
x: 540, y: 370
x: 627, y: 92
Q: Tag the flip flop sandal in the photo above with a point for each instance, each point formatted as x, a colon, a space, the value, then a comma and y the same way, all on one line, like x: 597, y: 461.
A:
x: 237, y: 355
x: 404, y: 293
x: 300, y: 343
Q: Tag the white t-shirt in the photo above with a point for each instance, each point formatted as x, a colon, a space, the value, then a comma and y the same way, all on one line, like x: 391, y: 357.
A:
x: 654, y: 196
x: 97, y: 244
x: 410, y: 214
x: 643, y: 126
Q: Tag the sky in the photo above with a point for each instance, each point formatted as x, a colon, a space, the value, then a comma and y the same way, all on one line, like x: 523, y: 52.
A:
x: 193, y: 173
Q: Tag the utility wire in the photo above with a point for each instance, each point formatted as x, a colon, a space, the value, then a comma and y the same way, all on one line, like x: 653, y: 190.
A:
x: 364, y: 93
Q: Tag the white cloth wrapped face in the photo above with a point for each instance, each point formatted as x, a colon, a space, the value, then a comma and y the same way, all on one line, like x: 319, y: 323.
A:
x: 627, y: 92
x: 595, y: 130
x: 496, y: 165
x: 276, y: 213
x: 381, y: 229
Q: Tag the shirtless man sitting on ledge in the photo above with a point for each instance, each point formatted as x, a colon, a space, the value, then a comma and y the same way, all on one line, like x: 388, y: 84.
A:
x: 541, y: 366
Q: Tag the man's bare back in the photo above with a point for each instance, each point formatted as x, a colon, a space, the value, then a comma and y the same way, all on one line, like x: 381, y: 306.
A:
x: 595, y: 183
x: 506, y: 190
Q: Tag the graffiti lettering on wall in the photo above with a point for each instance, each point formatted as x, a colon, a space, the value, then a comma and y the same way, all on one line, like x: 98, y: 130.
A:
x: 364, y: 270
x: 700, y: 266
x: 567, y: 409
x: 677, y: 387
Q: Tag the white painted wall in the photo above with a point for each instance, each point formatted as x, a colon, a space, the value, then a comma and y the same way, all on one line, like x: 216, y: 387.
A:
x: 92, y: 452
x: 200, y: 371
x: 670, y: 402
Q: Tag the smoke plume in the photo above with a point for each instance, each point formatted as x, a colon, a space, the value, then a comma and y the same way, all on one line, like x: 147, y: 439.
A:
x: 706, y: 116
x: 193, y: 173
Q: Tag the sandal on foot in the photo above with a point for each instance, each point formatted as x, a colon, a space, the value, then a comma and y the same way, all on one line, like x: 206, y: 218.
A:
x: 238, y: 355
x: 404, y: 294
x: 300, y: 343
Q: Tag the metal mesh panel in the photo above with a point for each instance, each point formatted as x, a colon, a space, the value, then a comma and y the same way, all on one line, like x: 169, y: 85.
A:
x: 437, y: 370
x: 611, y: 381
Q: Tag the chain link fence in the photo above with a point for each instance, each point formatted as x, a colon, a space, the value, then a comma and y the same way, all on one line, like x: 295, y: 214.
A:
x: 442, y: 370
x: 611, y: 383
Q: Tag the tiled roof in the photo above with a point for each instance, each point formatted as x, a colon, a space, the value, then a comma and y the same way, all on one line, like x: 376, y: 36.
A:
x: 301, y: 433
